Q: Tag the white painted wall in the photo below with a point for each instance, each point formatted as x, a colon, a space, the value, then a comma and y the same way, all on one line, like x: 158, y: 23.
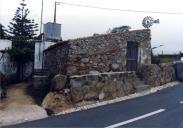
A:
x: 39, y: 48
x: 6, y: 67
x: 5, y: 44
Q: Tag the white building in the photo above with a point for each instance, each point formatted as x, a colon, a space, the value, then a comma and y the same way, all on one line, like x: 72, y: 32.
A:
x: 52, y: 33
x: 6, y: 67
x: 38, y: 56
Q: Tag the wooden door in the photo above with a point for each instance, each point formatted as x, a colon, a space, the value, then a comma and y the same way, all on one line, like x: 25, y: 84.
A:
x: 132, y: 56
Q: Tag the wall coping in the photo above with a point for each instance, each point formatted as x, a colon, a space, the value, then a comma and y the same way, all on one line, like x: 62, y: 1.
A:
x: 105, y: 73
x: 93, y: 37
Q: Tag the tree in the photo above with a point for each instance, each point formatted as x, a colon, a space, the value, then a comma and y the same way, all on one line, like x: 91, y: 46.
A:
x: 3, y: 34
x: 22, y: 31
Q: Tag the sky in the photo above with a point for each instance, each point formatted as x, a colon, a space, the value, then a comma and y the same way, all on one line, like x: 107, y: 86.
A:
x: 81, y: 22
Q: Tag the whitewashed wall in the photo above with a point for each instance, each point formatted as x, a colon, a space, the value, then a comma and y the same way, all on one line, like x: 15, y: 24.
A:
x: 5, y: 44
x: 39, y: 48
x: 6, y: 67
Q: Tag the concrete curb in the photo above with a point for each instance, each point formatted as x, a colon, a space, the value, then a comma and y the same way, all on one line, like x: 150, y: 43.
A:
x: 119, y: 99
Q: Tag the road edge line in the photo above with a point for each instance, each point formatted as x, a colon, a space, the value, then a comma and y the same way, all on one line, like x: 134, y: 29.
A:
x: 136, y: 118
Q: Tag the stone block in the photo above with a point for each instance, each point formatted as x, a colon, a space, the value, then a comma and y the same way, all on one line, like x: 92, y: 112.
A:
x: 58, y: 82
x: 114, y: 67
x: 77, y: 94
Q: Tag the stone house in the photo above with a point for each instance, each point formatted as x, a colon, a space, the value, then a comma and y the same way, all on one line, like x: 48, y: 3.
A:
x: 102, y: 53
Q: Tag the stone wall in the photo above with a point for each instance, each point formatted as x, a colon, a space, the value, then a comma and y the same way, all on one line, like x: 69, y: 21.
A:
x: 56, y: 58
x: 69, y: 91
x: 88, y: 87
x: 9, y: 68
x: 103, y: 53
x: 156, y: 75
x: 38, y: 55
x: 102, y: 86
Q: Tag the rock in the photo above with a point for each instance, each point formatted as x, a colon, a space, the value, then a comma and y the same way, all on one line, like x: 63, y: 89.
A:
x: 114, y: 67
x: 99, y: 86
x: 101, y: 95
x: 75, y: 83
x: 94, y: 72
x: 111, y: 90
x: 85, y: 60
x: 72, y: 70
x: 102, y: 86
x: 150, y: 74
x: 89, y: 93
x: 55, y: 102
x: 76, y: 94
x: 156, y: 75
x: 127, y: 87
x: 167, y: 73
x: 82, y: 65
x: 58, y: 82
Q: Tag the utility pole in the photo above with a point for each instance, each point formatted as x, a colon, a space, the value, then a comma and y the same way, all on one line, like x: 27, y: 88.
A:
x: 55, y: 11
x: 41, y: 24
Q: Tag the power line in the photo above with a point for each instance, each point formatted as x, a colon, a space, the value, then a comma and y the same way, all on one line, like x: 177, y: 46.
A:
x: 116, y: 9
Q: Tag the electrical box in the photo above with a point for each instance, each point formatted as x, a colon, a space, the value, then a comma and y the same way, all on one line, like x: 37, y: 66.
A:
x: 52, y: 31
x: 179, y: 71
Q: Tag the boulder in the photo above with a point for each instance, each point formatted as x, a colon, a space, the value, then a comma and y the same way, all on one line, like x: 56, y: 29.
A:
x: 58, y: 82
x: 55, y: 102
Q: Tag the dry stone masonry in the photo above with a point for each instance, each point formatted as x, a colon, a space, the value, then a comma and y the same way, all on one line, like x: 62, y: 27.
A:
x: 102, y: 53
x: 102, y: 86
x: 96, y: 69
x: 156, y: 75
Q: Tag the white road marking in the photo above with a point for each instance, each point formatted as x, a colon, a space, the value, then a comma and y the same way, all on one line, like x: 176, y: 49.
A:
x: 181, y: 102
x: 135, y: 119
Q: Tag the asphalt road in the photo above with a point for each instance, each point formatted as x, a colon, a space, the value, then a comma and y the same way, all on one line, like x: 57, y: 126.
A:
x: 163, y: 109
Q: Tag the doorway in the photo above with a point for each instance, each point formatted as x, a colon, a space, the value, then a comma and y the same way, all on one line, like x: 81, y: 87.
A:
x: 132, y: 56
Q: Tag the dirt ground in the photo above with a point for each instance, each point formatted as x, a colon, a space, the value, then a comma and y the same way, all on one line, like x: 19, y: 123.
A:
x: 19, y: 106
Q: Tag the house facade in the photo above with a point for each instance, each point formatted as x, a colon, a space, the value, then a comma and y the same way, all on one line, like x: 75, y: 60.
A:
x: 102, y: 53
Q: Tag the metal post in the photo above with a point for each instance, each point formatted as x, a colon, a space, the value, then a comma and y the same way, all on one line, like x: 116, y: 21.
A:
x: 41, y: 17
x: 41, y: 29
x: 55, y: 12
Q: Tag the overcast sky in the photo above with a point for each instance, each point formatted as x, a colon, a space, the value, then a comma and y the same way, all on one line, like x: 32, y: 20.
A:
x: 80, y: 21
